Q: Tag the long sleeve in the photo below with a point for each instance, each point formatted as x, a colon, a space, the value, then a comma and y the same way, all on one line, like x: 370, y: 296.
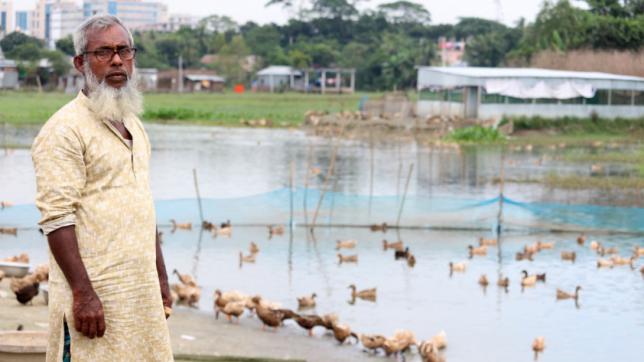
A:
x: 59, y: 165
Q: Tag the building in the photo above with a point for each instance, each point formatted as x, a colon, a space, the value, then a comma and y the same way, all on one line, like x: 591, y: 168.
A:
x: 194, y: 80
x: 25, y: 22
x: 276, y: 78
x: 174, y: 23
x: 134, y: 13
x: 64, y: 18
x: 451, y: 52
x: 492, y: 93
x: 8, y: 73
x: 6, y: 17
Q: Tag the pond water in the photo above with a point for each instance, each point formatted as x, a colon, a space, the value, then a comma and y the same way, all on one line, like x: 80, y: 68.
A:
x: 243, y: 175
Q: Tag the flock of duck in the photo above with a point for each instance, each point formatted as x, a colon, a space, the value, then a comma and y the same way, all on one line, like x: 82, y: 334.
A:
x: 233, y: 304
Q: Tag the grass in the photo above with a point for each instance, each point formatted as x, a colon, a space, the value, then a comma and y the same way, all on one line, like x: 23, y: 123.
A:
x: 573, y: 125
x: 476, y: 134
x: 636, y: 157
x: 602, y: 183
x: 227, y: 109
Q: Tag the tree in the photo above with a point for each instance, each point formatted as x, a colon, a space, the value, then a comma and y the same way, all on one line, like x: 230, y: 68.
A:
x: 219, y: 24
x: 12, y: 40
x: 405, y: 12
x: 66, y: 45
x: 491, y: 49
x: 338, y: 9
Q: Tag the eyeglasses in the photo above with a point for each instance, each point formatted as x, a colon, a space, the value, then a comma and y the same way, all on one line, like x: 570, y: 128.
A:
x: 106, y: 54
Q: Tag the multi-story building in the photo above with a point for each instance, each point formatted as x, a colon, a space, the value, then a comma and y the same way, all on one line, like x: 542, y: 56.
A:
x: 134, y: 13
x: 64, y: 18
x: 174, y: 23
x: 6, y: 17
x: 25, y: 22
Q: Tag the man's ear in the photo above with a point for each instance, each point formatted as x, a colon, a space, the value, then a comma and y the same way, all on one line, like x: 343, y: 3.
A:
x: 79, y: 61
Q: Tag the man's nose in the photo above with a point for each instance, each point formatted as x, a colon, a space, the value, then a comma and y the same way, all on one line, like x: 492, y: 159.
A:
x: 116, y: 60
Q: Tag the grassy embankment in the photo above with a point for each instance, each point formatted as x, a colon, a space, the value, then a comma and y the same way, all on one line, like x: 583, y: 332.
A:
x: 284, y: 110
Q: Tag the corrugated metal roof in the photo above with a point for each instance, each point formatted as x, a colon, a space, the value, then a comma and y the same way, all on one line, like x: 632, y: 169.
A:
x: 284, y: 70
x: 200, y: 77
x: 481, y: 72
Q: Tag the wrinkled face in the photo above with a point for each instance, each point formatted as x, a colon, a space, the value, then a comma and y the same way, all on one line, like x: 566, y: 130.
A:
x: 115, y: 71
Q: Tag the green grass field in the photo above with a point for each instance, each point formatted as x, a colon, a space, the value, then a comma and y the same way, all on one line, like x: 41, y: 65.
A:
x: 286, y: 109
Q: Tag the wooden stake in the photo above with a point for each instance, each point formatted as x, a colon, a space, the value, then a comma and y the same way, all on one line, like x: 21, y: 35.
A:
x: 402, y: 203
x: 194, y: 175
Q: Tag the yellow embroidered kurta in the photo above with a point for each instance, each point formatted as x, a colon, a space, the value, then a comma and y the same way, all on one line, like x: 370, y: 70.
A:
x: 87, y: 175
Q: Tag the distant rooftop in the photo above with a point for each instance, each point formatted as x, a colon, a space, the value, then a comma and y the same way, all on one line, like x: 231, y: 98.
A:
x: 482, y: 72
x: 279, y: 70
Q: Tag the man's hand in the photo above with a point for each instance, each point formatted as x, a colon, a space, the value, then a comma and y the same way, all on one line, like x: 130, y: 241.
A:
x: 88, y: 314
x: 166, y: 296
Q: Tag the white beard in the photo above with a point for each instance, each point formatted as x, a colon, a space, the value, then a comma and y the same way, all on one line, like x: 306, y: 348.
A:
x: 111, y: 103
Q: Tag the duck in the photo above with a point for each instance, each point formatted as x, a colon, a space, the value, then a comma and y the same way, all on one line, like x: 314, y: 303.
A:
x: 610, y: 251
x: 457, y: 267
x: 369, y: 294
x: 328, y: 320
x: 595, y: 245
x: 398, y: 245
x: 182, y: 226
x: 246, y: 258
x: 541, y: 277
x: 372, y: 342
x: 564, y: 295
x: 531, y: 249
x: 618, y: 260
x: 9, y: 231
x: 309, y: 322
x: 22, y: 258
x: 483, y: 281
x: 275, y: 230
x: 581, y: 239
x: 342, y: 333
x: 568, y: 255
x: 207, y: 225
x: 25, y: 288
x: 404, y: 254
x: 487, y: 242
x: 269, y: 317
x: 638, y: 251
x: 406, y: 337
x: 440, y: 340
x: 545, y: 245
x: 503, y: 282
x: 347, y: 258
x: 1, y: 275
x: 524, y: 255
x: 376, y: 227
x: 603, y: 263
x: 307, y: 301
x: 223, y: 299
x: 642, y: 270
x: 234, y: 309
x: 253, y: 248
x: 411, y: 260
x: 5, y: 204
x: 41, y: 273
x: 528, y: 280
x: 225, y: 229
x: 185, y: 279
x: 481, y: 250
x: 345, y: 244
x: 187, y: 294
x: 539, y: 344
x: 429, y: 353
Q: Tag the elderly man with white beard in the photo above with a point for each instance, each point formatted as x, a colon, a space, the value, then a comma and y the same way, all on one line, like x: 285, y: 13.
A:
x: 108, y: 287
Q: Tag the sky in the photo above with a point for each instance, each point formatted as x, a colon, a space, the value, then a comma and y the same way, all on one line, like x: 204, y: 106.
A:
x: 443, y: 11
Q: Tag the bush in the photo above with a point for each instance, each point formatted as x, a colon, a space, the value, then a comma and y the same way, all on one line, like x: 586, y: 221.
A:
x: 476, y: 134
x: 592, y: 124
x: 177, y: 114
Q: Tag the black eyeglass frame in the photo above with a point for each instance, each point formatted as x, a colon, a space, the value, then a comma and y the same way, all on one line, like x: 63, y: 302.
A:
x: 115, y: 50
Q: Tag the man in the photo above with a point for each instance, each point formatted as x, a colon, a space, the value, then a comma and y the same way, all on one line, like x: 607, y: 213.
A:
x: 108, y: 287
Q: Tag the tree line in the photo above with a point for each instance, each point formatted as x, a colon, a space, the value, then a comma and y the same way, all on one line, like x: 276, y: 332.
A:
x: 383, y: 44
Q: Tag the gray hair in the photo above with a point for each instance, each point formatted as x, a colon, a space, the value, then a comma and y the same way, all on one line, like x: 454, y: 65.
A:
x: 102, y: 22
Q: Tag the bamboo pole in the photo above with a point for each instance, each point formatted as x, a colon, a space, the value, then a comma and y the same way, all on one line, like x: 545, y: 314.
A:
x: 325, y: 185
x: 194, y: 175
x: 402, y: 203
x: 291, y: 222
x: 307, y: 175
x: 371, y: 168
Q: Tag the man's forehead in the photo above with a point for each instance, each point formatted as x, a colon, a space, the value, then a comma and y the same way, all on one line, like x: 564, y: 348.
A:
x: 113, y: 36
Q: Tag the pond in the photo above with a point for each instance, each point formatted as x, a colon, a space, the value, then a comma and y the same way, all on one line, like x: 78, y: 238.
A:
x: 451, y: 201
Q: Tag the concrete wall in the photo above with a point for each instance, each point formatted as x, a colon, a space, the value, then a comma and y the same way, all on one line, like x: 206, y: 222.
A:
x: 495, y: 111
x: 487, y: 111
x: 9, y: 79
x: 427, y: 108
